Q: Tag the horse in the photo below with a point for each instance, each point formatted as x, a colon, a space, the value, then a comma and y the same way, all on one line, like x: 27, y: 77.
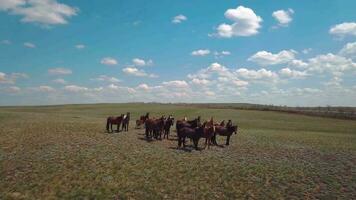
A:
x: 185, y: 123
x: 192, y: 133
x: 225, y: 131
x: 208, y: 132
x: 113, y: 120
x: 222, y: 123
x: 154, y: 127
x: 167, y: 126
x: 142, y: 120
x: 125, y: 122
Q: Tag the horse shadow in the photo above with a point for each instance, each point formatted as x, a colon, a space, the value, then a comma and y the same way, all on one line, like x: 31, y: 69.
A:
x: 188, y: 148
x: 149, y: 140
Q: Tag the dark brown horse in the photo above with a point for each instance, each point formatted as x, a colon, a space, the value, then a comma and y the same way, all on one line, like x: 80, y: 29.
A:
x: 225, y: 131
x: 142, y: 120
x: 154, y: 127
x: 193, y: 133
x: 126, y: 122
x: 113, y: 120
x: 167, y: 126
x: 185, y: 123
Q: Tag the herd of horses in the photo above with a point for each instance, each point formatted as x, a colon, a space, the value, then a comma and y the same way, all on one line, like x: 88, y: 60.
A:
x: 192, y: 129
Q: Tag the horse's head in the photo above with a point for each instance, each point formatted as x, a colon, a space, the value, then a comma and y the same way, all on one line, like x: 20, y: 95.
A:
x: 222, y: 123
x: 233, y: 129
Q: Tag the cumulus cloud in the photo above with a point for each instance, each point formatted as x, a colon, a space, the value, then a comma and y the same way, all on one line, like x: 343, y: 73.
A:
x: 266, y: 58
x: 43, y: 12
x: 6, y: 42
x: 290, y: 73
x: 284, y: 17
x: 106, y: 78
x: 179, y: 19
x: 80, y: 46
x: 29, y: 45
x: 245, y: 23
x: 343, y: 29
x: 331, y: 63
x: 60, y: 81
x: 45, y: 89
x: 176, y: 84
x: 141, y: 62
x: 13, y: 89
x: 250, y: 74
x: 200, y: 52
x: 200, y: 82
x: 349, y: 50
x: 11, y: 78
x: 75, y: 88
x: 109, y: 61
x: 59, y: 71
x: 133, y: 71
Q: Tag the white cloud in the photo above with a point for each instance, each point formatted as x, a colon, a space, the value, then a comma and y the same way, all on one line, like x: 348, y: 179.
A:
x: 176, y: 84
x: 200, y: 82
x: 137, y: 72
x: 284, y: 17
x: 290, y: 73
x: 141, y: 62
x: 179, y: 19
x: 240, y: 83
x: 344, y: 29
x: 245, y: 23
x: 7, y: 42
x: 210, y: 93
x: 200, y: 52
x: 256, y: 74
x: 349, y: 51
x: 11, y: 78
x: 45, y: 88
x: 298, y: 64
x: 13, y: 89
x: 80, y: 46
x: 266, y: 58
x: 306, y: 51
x: 44, y: 12
x: 75, y: 88
x: 29, y: 45
x: 59, y: 71
x: 109, y: 61
x: 107, y: 79
x: 60, y: 81
x: 331, y: 63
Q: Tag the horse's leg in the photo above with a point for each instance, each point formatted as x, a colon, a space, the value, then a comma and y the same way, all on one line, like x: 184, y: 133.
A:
x: 195, y: 142
x: 228, y: 140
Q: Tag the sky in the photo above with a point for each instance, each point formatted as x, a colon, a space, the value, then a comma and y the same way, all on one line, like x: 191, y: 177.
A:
x: 294, y: 53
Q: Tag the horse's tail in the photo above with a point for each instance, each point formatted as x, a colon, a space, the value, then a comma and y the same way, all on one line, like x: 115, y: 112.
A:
x: 107, y: 123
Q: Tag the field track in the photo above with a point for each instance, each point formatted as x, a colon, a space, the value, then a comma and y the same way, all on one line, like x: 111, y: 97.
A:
x: 51, y: 152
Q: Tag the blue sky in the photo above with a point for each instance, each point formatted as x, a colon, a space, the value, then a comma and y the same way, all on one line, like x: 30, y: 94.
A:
x: 298, y: 53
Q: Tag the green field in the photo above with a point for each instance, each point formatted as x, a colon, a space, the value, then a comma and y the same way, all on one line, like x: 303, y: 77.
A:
x: 54, y: 152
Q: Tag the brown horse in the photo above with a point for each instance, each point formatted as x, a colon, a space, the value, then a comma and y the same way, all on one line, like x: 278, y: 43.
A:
x: 224, y: 131
x: 154, y: 127
x: 113, y: 120
x: 125, y: 122
x: 142, y: 120
x: 167, y: 126
x: 208, y: 132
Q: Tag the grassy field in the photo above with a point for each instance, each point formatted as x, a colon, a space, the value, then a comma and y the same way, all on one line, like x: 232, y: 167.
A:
x: 54, y: 152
